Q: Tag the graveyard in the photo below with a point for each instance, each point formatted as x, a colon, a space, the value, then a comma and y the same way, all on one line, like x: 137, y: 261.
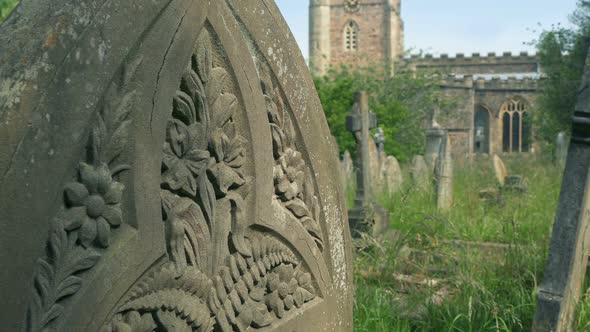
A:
x: 183, y: 165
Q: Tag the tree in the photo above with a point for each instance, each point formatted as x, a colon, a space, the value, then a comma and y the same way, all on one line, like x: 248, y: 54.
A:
x: 402, y: 104
x: 562, y: 53
x: 6, y: 7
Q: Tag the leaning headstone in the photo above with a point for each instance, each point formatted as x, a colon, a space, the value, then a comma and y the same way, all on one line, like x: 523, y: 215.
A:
x: 444, y: 176
x: 500, y: 170
x: 561, y: 150
x: 391, y: 175
x: 165, y: 178
x: 366, y: 216
x: 421, y: 177
x: 561, y: 288
x: 435, y: 137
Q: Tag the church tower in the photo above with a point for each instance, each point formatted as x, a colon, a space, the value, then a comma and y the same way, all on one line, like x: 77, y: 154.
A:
x: 354, y: 32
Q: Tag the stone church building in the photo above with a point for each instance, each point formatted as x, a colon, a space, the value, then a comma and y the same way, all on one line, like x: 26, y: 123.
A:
x: 495, y: 93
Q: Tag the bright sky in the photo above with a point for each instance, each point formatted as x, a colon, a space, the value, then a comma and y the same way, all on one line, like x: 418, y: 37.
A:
x: 458, y: 26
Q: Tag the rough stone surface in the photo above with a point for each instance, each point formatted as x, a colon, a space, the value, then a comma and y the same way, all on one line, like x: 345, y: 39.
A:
x: 561, y: 150
x: 444, y: 176
x: 500, y: 170
x: 391, y: 175
x: 166, y: 165
x: 375, y: 167
x: 421, y: 176
x: 566, y: 266
x: 434, y: 141
x: 347, y: 167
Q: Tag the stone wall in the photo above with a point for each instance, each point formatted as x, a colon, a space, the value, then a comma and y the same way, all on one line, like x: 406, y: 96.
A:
x: 477, y: 64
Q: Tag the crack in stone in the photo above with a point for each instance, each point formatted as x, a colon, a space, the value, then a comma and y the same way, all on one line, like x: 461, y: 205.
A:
x: 162, y: 67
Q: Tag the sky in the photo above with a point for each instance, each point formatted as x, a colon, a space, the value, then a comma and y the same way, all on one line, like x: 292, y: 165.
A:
x: 458, y: 26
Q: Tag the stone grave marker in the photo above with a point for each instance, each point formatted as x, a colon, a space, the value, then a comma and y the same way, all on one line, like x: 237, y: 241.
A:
x: 444, y: 175
x: 366, y: 216
x: 565, y: 270
x: 500, y: 170
x: 561, y: 149
x: 421, y: 177
x: 375, y: 167
x: 379, y: 139
x: 347, y: 167
x: 391, y: 175
x: 434, y: 140
x: 158, y: 172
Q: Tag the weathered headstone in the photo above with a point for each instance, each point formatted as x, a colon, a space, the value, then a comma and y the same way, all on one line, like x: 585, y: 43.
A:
x: 500, y: 170
x: 347, y: 167
x: 561, y: 150
x: 435, y: 137
x: 560, y: 290
x: 366, y: 216
x: 375, y: 167
x: 421, y: 177
x: 391, y: 175
x: 379, y: 139
x: 444, y: 175
x: 157, y: 172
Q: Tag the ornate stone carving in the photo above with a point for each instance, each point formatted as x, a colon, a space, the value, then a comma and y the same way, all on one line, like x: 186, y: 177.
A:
x: 90, y: 210
x: 198, y: 203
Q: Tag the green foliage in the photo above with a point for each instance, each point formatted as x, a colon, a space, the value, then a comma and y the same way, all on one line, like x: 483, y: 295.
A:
x: 562, y: 53
x: 487, y: 291
x: 402, y: 104
x: 6, y: 7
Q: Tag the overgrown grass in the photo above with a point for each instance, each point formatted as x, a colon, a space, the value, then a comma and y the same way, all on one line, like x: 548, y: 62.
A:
x: 475, y: 289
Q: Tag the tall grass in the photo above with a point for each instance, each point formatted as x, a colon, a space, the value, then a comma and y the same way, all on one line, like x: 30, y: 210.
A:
x: 476, y: 290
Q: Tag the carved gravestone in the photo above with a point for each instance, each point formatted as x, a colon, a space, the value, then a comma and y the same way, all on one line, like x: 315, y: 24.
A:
x: 421, y: 177
x: 391, y: 175
x: 164, y: 168
x: 366, y: 216
x: 565, y: 270
x: 561, y: 150
x: 379, y: 139
x: 444, y: 175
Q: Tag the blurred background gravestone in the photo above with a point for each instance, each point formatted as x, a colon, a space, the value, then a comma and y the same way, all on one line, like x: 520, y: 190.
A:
x: 391, y: 175
x: 444, y: 175
x: 421, y: 177
x: 158, y: 173
x: 366, y: 216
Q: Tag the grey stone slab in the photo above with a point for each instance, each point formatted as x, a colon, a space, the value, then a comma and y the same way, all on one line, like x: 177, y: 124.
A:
x: 560, y: 290
x: 166, y: 154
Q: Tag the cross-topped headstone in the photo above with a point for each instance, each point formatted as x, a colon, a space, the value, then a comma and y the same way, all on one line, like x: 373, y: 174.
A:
x: 366, y: 213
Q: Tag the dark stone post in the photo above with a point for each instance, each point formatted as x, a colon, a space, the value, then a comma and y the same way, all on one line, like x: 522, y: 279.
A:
x: 365, y: 213
x: 568, y: 254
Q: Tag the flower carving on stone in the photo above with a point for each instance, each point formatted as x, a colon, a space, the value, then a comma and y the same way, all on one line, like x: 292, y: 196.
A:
x: 288, y: 288
x: 185, y: 156
x: 93, y: 205
x: 289, y: 175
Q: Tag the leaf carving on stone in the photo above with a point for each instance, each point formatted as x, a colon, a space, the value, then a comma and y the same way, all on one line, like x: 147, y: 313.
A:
x: 292, y: 179
x: 222, y: 275
x: 91, y: 208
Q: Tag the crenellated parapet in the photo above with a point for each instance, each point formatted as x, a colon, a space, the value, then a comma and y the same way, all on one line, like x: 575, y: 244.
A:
x: 479, y: 83
x: 476, y: 63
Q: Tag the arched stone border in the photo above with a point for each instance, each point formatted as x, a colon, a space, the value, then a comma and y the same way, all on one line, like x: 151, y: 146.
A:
x: 162, y: 167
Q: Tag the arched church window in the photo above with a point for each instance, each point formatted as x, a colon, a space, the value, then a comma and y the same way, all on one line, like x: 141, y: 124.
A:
x: 351, y: 39
x: 515, y: 125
